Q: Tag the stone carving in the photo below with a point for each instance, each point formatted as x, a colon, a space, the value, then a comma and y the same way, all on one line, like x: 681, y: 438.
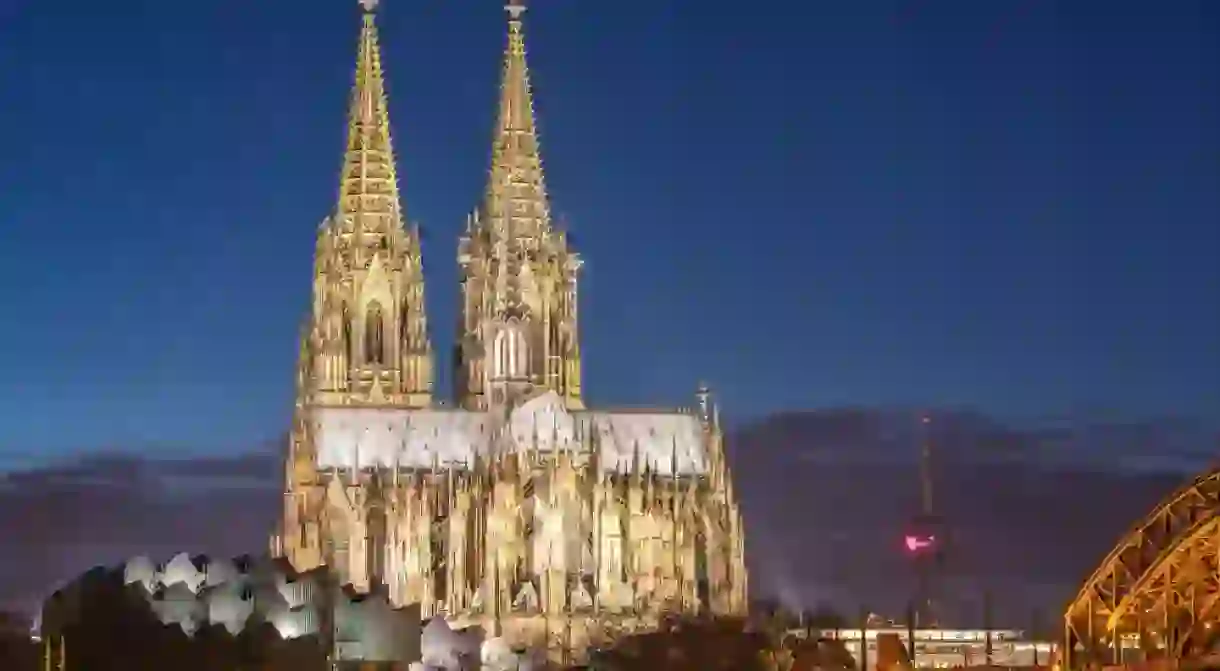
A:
x: 534, y: 533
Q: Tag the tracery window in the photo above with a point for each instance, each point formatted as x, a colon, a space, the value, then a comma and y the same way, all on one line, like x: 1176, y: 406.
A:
x: 509, y: 354
x: 347, y: 333
x: 702, y: 583
x: 404, y: 326
x: 374, y: 339
x: 375, y: 537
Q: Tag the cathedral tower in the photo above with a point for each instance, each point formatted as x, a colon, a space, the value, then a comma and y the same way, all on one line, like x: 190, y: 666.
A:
x: 517, y: 329
x: 368, y: 342
x: 365, y: 342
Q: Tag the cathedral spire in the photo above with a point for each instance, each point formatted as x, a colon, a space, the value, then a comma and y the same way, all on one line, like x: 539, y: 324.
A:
x: 369, y: 320
x: 369, y: 203
x: 516, y: 197
x: 518, y: 329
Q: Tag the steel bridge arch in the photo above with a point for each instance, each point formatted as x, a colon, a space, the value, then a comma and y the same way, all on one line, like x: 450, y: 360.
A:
x: 1159, y: 588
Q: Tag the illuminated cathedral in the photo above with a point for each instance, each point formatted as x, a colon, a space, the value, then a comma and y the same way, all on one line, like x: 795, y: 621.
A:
x: 512, y: 506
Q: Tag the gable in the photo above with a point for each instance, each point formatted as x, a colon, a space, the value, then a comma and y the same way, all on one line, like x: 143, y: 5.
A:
x: 542, y: 423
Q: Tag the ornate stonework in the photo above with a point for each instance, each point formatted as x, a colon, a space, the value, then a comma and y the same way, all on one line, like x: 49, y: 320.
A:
x: 548, y: 524
x: 519, y: 278
x: 367, y: 342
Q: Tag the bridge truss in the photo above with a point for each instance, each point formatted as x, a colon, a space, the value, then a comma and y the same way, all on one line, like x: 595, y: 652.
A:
x: 1157, y: 594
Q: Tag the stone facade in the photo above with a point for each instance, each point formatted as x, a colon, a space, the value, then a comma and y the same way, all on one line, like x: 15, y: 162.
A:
x: 516, y: 508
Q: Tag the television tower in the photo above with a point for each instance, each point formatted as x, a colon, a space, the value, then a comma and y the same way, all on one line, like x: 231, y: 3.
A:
x: 925, y: 540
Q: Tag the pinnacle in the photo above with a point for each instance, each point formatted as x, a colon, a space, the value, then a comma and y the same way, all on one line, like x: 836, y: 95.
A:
x: 516, y: 183
x: 368, y: 196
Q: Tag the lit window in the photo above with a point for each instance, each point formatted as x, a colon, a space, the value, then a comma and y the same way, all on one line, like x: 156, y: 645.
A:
x: 509, y: 355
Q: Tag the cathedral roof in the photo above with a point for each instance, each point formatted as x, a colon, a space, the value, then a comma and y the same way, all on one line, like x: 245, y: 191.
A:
x: 664, y: 442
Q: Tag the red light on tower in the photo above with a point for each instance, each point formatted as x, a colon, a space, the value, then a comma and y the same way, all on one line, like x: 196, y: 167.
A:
x: 917, y: 544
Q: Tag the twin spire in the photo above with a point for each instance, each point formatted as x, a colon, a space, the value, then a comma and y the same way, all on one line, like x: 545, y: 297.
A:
x: 518, y: 277
x: 368, y: 192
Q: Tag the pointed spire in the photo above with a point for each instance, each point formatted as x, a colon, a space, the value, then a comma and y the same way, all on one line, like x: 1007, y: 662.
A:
x: 368, y: 187
x: 516, y: 161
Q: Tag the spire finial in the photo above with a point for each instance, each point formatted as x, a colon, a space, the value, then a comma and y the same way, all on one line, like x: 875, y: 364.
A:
x: 515, y: 9
x: 370, y: 6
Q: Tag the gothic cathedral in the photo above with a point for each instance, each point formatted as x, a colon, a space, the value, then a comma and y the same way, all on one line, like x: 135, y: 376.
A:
x: 515, y: 508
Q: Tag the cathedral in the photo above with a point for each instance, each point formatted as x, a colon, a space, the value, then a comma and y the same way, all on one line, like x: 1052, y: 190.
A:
x: 513, y: 506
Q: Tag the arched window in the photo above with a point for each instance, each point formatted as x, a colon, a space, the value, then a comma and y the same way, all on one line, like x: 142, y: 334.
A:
x: 703, y: 588
x: 374, y: 340
x: 376, y: 539
x: 509, y: 355
x: 337, y: 542
x: 499, y: 355
x: 404, y: 325
x: 347, y: 333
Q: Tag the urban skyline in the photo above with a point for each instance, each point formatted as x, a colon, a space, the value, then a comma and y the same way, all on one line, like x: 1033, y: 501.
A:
x: 1077, y: 307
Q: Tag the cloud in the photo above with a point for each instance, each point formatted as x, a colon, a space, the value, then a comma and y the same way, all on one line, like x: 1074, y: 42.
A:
x: 1030, y: 509
x: 63, y: 519
x: 826, y: 496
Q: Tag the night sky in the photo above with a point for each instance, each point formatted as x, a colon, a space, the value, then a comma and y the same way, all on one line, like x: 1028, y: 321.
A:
x: 1011, y: 206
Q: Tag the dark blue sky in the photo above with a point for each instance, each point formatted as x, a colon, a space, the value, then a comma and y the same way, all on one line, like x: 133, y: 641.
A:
x: 1012, y: 205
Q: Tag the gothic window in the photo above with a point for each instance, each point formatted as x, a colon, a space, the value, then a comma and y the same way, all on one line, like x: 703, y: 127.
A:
x: 440, y: 585
x: 509, y: 354
x: 374, y: 344
x: 404, y: 324
x: 347, y: 333
x: 702, y: 584
x: 472, y: 550
x: 375, y: 558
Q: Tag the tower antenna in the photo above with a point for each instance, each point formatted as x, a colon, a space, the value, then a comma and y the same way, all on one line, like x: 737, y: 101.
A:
x: 925, y: 469
x: 925, y: 540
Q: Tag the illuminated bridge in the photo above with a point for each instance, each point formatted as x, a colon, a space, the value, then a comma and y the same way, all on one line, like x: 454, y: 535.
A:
x: 1156, y: 596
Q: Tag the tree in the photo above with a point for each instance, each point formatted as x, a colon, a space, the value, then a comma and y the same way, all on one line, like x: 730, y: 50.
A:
x: 693, y: 644
x: 107, y: 625
x: 256, y: 644
x: 216, y: 648
x: 17, y: 651
x: 304, y: 653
